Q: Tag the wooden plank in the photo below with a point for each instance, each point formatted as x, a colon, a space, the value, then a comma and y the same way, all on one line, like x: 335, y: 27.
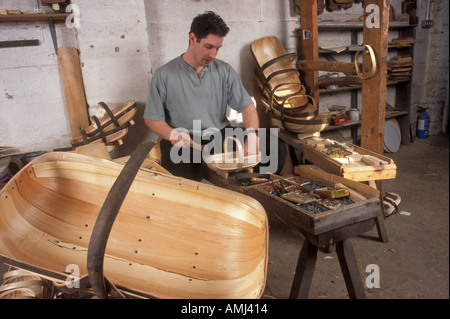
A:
x: 310, y: 45
x: 374, y: 88
x: 33, y: 17
x: 74, y: 94
x: 370, y: 176
x: 331, y: 66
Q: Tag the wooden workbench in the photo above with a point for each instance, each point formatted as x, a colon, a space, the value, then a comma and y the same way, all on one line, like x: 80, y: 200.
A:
x: 322, y: 230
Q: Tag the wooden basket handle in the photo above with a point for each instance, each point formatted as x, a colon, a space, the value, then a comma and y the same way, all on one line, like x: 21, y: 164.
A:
x: 240, y: 150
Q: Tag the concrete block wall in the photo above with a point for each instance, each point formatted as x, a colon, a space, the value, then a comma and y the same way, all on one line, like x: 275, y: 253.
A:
x: 121, y: 44
x: 32, y: 114
x: 431, y: 65
x: 112, y: 41
x: 169, y: 23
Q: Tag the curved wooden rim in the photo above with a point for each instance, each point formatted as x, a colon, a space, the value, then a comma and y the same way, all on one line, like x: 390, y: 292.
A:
x: 269, y: 52
x: 373, y: 60
x: 53, y: 237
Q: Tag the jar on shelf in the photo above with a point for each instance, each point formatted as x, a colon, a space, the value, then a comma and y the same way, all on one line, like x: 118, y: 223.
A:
x: 354, y: 115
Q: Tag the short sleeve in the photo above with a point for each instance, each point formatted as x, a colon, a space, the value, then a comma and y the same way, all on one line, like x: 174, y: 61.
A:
x: 238, y: 97
x: 154, y: 108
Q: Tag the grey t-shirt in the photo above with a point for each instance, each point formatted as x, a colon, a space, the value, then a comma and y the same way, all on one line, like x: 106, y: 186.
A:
x: 178, y: 96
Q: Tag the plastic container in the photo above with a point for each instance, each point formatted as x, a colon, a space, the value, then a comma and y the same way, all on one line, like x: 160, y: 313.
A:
x: 354, y: 115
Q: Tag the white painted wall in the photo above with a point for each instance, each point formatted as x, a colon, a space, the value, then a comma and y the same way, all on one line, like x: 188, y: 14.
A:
x: 122, y: 43
x: 431, y: 65
x: 169, y: 23
x: 112, y: 40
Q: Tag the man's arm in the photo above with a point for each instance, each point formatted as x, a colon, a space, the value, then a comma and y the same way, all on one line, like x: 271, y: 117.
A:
x: 251, y: 121
x: 164, y: 131
x: 250, y: 117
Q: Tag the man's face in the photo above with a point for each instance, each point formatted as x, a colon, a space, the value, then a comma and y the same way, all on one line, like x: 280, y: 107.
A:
x: 206, y: 50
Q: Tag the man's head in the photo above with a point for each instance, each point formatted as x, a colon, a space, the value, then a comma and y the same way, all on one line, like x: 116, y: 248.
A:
x: 206, y: 36
x: 208, y: 23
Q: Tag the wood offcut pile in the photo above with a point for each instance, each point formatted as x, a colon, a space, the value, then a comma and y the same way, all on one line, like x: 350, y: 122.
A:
x: 400, y: 68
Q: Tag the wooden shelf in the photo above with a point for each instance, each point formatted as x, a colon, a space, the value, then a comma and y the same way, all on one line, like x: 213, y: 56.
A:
x: 356, y: 87
x: 389, y: 115
x: 346, y: 26
x: 401, y: 116
x: 33, y: 17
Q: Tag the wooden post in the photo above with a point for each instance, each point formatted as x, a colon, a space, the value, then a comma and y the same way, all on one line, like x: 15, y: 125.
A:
x: 375, y: 34
x: 74, y: 94
x: 310, y: 45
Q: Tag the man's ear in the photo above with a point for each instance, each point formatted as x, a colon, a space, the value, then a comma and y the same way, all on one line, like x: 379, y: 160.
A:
x: 192, y: 38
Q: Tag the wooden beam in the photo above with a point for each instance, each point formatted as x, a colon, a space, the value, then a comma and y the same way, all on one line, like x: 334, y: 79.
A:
x: 375, y: 34
x: 310, y: 45
x: 73, y: 88
x: 330, y: 66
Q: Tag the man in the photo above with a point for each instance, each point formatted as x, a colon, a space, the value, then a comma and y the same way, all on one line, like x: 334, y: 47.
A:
x: 197, y: 87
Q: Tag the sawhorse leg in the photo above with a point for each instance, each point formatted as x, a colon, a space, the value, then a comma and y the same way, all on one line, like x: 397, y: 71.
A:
x: 349, y: 267
x: 307, y: 262
x: 379, y: 221
x: 381, y: 227
x: 304, y: 271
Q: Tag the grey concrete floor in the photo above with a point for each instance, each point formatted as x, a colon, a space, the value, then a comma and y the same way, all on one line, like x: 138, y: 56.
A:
x: 414, y: 263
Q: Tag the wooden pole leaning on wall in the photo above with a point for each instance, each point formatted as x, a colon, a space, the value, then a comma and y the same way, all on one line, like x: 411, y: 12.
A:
x: 309, y: 39
x: 74, y: 93
x: 373, y: 110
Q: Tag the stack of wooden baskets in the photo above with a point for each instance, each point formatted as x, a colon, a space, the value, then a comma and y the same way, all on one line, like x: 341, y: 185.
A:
x: 283, y: 94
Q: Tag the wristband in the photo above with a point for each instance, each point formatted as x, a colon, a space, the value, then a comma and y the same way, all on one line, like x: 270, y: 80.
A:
x: 251, y: 130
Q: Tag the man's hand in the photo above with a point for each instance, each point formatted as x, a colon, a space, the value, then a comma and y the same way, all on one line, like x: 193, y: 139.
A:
x: 251, y: 144
x: 180, y: 139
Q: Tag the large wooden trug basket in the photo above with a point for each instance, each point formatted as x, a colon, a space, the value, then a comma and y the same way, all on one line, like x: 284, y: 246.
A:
x: 172, y: 238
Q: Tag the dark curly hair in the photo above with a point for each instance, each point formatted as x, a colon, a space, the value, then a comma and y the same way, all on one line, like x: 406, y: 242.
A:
x: 207, y: 23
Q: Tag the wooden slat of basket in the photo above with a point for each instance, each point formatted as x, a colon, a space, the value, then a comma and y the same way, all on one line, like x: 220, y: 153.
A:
x: 166, y: 255
x: 268, y: 48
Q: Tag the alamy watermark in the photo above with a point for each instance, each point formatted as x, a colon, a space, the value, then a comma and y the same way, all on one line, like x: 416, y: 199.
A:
x: 373, y: 279
x: 73, y: 280
x: 73, y: 20
x: 373, y: 18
